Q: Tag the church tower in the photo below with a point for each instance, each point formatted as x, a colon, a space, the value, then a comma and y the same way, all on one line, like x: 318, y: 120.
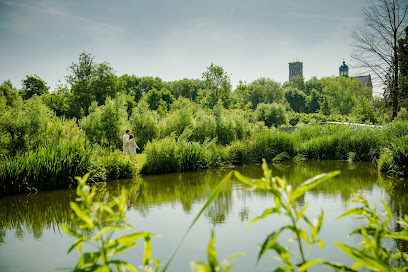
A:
x: 343, y: 70
x: 295, y: 70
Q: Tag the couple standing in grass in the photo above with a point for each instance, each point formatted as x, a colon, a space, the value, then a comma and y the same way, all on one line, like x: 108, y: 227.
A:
x: 129, y: 144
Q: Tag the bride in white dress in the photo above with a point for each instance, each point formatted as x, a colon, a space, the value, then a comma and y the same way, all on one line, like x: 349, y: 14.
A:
x: 132, y: 145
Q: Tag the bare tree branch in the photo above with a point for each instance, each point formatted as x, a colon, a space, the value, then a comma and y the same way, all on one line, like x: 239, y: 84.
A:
x: 376, y: 43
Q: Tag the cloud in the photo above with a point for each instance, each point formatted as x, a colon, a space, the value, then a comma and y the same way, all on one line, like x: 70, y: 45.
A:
x: 35, y: 16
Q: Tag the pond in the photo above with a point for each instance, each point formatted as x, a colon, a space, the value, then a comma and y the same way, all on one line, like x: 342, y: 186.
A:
x: 31, y: 238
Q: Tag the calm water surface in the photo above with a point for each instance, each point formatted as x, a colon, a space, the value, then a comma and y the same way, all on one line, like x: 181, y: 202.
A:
x: 31, y: 238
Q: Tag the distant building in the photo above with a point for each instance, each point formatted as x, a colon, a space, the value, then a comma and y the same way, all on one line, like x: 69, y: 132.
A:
x: 343, y: 70
x: 366, y: 80
x: 295, y: 70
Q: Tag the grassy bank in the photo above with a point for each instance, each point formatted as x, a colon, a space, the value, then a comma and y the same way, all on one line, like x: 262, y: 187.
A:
x: 55, y: 167
x: 327, y: 142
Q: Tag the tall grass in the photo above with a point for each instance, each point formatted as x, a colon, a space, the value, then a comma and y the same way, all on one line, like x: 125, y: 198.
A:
x: 332, y: 142
x: 269, y: 144
x: 171, y: 155
x: 44, y: 168
x: 394, y: 159
x: 328, y: 142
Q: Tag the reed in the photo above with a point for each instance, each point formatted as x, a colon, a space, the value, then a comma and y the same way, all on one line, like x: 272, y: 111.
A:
x: 45, y: 168
x: 332, y: 142
x: 394, y: 159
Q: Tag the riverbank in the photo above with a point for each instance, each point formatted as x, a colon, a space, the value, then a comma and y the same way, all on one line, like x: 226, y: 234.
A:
x: 54, y: 167
x: 386, y: 145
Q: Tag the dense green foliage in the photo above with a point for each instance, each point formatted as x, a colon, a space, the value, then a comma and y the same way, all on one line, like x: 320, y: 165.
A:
x: 191, y: 123
x: 33, y: 85
x: 271, y: 114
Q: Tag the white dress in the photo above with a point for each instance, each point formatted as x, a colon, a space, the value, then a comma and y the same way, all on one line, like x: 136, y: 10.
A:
x: 132, y: 147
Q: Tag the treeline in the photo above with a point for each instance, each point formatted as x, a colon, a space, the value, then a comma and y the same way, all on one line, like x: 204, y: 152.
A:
x: 91, y: 83
x: 46, y: 139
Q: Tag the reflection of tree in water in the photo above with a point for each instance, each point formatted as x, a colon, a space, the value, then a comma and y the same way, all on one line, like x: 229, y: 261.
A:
x: 178, y: 188
x: 48, y: 210
x: 2, y: 236
x: 398, y: 203
x: 218, y: 211
x: 45, y: 210
x: 353, y: 177
x: 36, y: 212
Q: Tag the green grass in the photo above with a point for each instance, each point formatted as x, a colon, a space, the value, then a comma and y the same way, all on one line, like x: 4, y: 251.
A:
x: 43, y: 169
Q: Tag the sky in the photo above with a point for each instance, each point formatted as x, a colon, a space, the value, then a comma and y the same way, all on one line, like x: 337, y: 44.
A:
x: 176, y: 39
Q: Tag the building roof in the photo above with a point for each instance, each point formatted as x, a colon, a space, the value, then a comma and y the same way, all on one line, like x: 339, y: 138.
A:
x: 366, y: 80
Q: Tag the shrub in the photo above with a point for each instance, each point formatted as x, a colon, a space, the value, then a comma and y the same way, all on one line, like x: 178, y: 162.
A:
x: 385, y: 160
x: 112, y: 165
x: 176, y: 121
x: 107, y: 123
x: 332, y: 142
x: 190, y: 156
x: 204, y: 126
x: 25, y: 126
x: 272, y: 114
x: 161, y: 156
x: 238, y: 153
x: 144, y: 124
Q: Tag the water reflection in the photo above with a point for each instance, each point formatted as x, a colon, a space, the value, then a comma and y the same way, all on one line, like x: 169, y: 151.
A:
x: 22, y: 216
x: 48, y: 210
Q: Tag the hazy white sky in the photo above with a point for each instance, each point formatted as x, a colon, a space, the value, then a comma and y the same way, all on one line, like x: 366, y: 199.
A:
x: 176, y: 39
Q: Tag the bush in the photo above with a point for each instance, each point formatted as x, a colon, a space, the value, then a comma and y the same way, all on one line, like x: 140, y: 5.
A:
x: 168, y: 155
x: 272, y: 114
x: 25, y: 126
x: 190, y: 156
x: 107, y: 123
x: 161, y: 156
x: 238, y: 153
x: 112, y: 165
x: 385, y: 161
x: 204, y: 127
x: 144, y: 124
x: 176, y: 121
x: 395, y: 158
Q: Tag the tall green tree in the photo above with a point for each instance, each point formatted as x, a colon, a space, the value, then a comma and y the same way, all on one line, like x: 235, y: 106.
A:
x: 271, y: 114
x: 376, y: 44
x: 33, y: 85
x: 106, y: 124
x: 8, y: 94
x: 130, y: 84
x: 90, y: 82
x: 187, y: 88
x: 343, y: 93
x: 159, y: 99
x: 296, y: 99
x: 218, y: 85
x: 313, y: 101
x: 313, y: 84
